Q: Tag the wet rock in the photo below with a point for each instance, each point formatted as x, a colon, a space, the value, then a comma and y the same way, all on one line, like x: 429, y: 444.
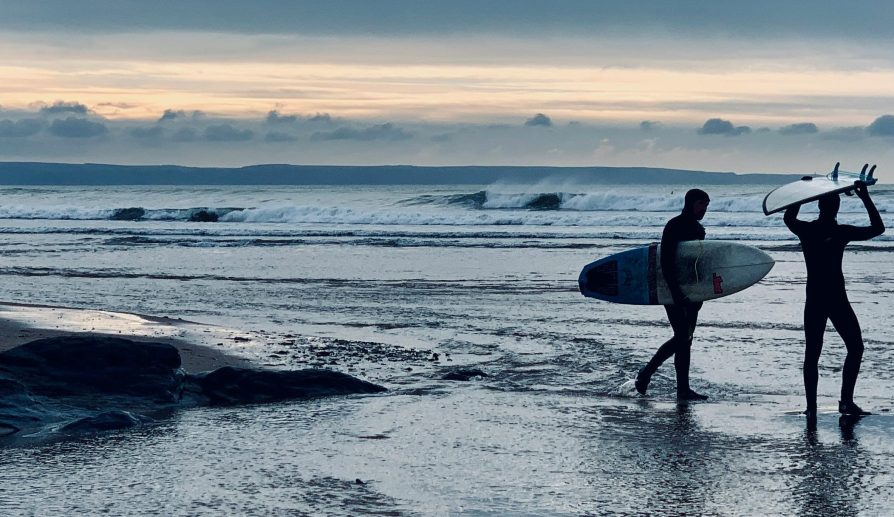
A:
x: 204, y: 216
x: 84, y: 383
x: 93, y: 366
x: 463, y: 374
x: 107, y: 421
x: 128, y: 214
x: 229, y: 385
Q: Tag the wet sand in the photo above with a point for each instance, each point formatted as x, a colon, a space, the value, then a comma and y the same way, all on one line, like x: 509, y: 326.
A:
x: 202, y: 347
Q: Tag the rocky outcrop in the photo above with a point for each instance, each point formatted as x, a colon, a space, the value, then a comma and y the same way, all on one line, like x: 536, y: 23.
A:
x: 82, y: 383
x: 86, y: 366
x: 230, y: 385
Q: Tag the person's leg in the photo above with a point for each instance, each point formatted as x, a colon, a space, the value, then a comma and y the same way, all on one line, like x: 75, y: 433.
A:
x: 845, y: 322
x: 815, y: 317
x: 679, y: 321
x: 683, y: 355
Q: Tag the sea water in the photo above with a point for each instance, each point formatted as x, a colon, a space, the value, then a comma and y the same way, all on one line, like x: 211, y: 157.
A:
x: 471, y: 276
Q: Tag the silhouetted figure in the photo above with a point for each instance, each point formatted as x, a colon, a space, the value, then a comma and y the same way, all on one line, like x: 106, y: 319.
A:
x: 823, y: 242
x: 683, y: 314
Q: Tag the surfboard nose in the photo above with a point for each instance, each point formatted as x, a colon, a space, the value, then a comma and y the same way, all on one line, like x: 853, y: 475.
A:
x: 601, y: 278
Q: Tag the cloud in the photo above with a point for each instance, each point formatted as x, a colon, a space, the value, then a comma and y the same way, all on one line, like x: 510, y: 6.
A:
x: 321, y: 117
x: 227, y: 133
x: 186, y: 134
x: 882, y: 126
x: 803, y: 128
x: 649, y: 125
x: 539, y: 120
x: 717, y: 126
x: 153, y: 132
x: 170, y: 114
x: 750, y: 19
x: 387, y: 131
x: 20, y: 128
x: 60, y: 107
x: 273, y: 117
x: 278, y: 136
x: 75, y: 127
x: 846, y: 134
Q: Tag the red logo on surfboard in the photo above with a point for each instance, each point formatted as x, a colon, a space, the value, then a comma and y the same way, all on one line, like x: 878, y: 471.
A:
x: 718, y: 281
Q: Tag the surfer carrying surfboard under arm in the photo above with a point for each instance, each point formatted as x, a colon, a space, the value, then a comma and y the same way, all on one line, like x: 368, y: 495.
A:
x: 823, y: 241
x: 683, y: 313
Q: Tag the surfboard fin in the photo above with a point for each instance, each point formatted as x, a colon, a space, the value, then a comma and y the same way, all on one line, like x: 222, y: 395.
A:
x: 835, y: 171
x: 871, y: 172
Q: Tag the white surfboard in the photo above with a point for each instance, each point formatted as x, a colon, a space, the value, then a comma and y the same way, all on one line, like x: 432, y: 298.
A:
x: 811, y: 188
x: 705, y: 270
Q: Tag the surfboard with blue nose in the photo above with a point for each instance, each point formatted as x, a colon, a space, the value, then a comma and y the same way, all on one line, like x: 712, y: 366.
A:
x: 705, y: 270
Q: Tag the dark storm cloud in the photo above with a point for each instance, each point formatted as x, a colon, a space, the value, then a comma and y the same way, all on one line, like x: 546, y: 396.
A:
x: 75, y: 127
x: 60, y: 107
x: 649, y: 125
x: 794, y: 18
x: 227, y: 133
x: 387, y: 131
x: 718, y: 126
x: 539, y: 120
x: 882, y: 126
x: 20, y: 128
x: 804, y: 128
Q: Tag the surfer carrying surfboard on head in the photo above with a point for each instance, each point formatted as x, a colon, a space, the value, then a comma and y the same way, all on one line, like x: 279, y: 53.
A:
x: 683, y: 313
x: 823, y: 241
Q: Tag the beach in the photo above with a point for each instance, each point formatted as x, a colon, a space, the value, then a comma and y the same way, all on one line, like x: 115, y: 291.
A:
x: 405, y: 287
x: 20, y: 323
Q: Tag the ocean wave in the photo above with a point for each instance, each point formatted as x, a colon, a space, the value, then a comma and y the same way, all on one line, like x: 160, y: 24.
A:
x: 605, y: 202
x: 74, y: 213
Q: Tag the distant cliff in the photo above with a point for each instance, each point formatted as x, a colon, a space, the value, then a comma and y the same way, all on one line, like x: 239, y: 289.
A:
x: 35, y: 173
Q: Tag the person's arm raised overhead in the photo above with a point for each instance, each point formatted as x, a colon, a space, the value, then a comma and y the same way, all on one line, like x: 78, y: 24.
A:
x: 791, y: 220
x: 876, y: 226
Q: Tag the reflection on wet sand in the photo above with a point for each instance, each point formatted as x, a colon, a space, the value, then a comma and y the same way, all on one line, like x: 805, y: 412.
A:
x: 828, y: 478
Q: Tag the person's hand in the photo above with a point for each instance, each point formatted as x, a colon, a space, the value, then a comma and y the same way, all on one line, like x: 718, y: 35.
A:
x: 862, y: 190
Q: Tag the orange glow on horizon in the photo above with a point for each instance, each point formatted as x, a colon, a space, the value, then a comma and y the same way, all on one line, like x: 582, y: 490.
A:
x: 449, y: 93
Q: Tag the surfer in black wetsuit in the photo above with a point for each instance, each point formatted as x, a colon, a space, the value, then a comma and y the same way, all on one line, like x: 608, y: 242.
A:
x: 683, y: 314
x: 823, y: 242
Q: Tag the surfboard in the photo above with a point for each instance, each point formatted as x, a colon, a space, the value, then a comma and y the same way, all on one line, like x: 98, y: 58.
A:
x: 811, y: 188
x: 705, y: 270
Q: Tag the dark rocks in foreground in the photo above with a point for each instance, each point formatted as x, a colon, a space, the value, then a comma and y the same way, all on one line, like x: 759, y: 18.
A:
x: 82, y: 383
x: 78, y: 365
x: 229, y: 385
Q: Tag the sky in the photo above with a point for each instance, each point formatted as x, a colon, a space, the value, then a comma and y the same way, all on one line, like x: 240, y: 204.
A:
x: 754, y: 86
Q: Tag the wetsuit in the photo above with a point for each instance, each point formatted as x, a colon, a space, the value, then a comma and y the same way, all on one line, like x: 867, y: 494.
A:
x: 683, y: 314
x: 823, y: 242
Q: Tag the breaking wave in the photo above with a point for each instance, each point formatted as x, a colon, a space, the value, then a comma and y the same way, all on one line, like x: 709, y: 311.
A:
x: 603, y: 202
